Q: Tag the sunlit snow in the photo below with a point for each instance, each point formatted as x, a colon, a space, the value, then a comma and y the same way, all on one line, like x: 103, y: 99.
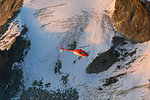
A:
x: 88, y: 23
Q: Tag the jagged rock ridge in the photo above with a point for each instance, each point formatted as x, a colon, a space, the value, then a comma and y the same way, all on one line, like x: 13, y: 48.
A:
x: 12, y: 48
x: 7, y: 9
x: 132, y: 20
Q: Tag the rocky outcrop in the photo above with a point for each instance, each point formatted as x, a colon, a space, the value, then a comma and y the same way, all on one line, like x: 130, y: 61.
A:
x: 11, y: 78
x: 7, y: 9
x: 132, y: 20
x: 40, y: 94
x: 103, y: 61
x: 118, y: 52
x: 14, y: 54
x: 146, y: 4
x: 13, y: 48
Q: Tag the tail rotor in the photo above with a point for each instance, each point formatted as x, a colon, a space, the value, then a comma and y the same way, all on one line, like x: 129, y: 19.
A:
x: 61, y: 48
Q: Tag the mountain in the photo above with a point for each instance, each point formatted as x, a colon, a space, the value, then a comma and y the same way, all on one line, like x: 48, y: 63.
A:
x: 117, y: 67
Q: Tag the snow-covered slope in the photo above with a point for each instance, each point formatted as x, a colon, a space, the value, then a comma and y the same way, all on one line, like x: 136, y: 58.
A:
x: 88, y: 24
x: 69, y: 22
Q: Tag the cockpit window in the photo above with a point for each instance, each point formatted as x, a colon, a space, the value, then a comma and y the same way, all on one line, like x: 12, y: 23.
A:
x: 85, y: 52
x: 82, y: 52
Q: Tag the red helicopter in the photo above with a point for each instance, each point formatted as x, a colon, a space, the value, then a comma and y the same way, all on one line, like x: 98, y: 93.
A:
x: 78, y: 52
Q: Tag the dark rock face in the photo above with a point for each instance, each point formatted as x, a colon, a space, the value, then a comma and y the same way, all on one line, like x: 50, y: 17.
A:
x: 8, y: 11
x: 10, y: 80
x: 146, y: 4
x: 39, y: 94
x: 106, y: 59
x: 11, y: 84
x: 3, y: 28
x: 132, y: 20
x: 14, y: 54
x: 112, y: 80
x: 103, y: 61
